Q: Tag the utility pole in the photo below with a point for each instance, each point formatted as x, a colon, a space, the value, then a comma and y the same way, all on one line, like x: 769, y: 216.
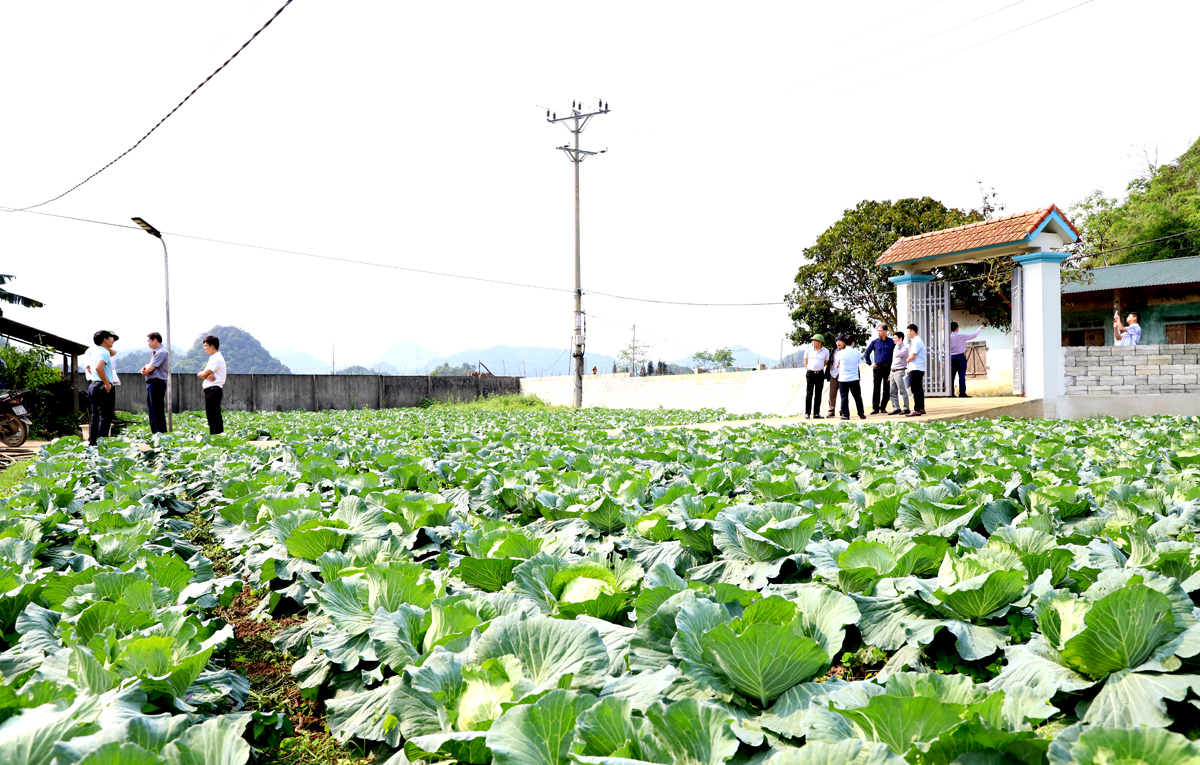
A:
x: 333, y: 360
x: 633, y: 353
x: 575, y: 123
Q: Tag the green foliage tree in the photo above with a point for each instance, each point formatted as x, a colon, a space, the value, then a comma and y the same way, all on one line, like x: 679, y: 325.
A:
x: 357, y: 369
x: 445, y: 370
x: 839, y: 284
x: 630, y: 355
x: 1162, y: 201
x: 242, y: 351
x: 13, y: 298
x: 49, y: 402
x: 718, y: 359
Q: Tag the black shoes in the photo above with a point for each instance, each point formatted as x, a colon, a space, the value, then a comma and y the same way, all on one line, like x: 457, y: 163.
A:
x: 893, y: 412
x: 817, y: 417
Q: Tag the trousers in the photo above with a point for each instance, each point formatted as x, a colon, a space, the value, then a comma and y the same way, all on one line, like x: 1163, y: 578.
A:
x: 812, y: 392
x: 918, y: 390
x: 102, y: 403
x: 212, y: 409
x: 833, y: 391
x: 958, y: 366
x: 898, y: 389
x: 852, y: 388
x: 879, y: 388
x: 156, y: 393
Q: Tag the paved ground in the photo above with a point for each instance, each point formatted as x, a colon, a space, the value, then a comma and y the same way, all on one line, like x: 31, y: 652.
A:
x: 940, y: 409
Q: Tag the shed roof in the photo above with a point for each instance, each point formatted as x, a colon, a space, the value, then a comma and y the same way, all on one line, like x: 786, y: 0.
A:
x: 1148, y: 273
x: 1009, y: 230
x: 34, y: 336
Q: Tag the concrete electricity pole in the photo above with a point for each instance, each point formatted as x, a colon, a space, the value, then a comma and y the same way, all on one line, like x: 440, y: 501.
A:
x: 575, y: 123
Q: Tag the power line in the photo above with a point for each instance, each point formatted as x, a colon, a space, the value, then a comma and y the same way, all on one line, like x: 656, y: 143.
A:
x: 675, y: 302
x: 923, y: 39
x: 906, y: 15
x: 984, y: 42
x: 164, y: 119
x: 1148, y: 241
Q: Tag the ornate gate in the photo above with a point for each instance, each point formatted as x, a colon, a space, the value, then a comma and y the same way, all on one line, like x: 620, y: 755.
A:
x: 1018, y: 330
x: 929, y: 309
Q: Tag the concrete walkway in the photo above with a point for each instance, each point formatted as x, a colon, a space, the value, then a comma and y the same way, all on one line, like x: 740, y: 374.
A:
x: 938, y: 409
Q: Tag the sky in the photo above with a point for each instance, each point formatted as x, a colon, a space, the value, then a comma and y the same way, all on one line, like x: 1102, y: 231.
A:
x: 413, y: 135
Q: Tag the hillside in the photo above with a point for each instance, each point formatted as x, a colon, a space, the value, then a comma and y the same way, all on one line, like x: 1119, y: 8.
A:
x: 1162, y: 201
x: 301, y: 362
x: 524, y: 360
x: 243, y: 354
x: 406, y: 357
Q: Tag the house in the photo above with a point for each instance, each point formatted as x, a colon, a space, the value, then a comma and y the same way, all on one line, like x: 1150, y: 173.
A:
x: 1164, y: 293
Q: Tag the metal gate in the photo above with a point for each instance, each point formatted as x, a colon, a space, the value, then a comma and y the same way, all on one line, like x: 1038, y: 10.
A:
x: 929, y: 309
x: 1018, y: 330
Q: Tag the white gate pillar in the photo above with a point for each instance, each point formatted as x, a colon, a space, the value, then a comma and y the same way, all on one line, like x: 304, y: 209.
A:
x: 1041, y: 274
x: 904, y: 284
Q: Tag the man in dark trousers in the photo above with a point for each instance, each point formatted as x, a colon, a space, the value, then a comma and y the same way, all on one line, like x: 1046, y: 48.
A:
x: 102, y: 380
x: 816, y: 359
x: 156, y: 383
x: 213, y: 376
x: 879, y: 356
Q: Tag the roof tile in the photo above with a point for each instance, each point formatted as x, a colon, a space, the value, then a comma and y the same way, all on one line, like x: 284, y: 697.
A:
x: 1004, y: 230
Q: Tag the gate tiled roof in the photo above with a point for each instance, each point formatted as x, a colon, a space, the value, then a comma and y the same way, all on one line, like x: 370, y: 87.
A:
x: 1010, y: 229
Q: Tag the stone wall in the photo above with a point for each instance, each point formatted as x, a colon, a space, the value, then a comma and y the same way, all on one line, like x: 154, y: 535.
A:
x: 1132, y: 370
x: 282, y: 393
x: 776, y: 391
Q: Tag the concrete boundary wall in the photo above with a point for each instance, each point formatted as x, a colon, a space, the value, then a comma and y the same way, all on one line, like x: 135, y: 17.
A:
x: 774, y: 391
x: 1142, y: 370
x: 311, y: 393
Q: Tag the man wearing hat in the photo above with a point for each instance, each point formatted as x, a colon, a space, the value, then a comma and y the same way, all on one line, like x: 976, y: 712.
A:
x: 816, y: 359
x: 102, y: 380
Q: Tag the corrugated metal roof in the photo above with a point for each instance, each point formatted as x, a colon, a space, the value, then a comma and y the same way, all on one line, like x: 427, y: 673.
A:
x: 1147, y: 274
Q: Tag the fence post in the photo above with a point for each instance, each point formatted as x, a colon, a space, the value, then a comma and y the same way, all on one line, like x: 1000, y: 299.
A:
x: 379, y: 383
x: 253, y: 406
x: 314, y: 394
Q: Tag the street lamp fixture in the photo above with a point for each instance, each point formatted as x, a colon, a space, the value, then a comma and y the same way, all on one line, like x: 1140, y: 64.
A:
x: 152, y: 231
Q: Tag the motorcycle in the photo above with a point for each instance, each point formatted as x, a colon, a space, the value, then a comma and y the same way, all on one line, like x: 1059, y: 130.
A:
x: 14, y: 419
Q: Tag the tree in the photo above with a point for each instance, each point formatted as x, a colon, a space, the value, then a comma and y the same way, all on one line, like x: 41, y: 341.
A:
x: 839, y: 285
x: 720, y: 358
x: 13, y: 298
x: 357, y: 369
x: 630, y: 354
x: 445, y: 370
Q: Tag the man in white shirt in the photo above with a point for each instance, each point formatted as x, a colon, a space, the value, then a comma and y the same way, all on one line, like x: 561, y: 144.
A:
x: 213, y: 375
x: 916, y: 370
x: 102, y: 380
x: 849, y: 360
x: 816, y: 359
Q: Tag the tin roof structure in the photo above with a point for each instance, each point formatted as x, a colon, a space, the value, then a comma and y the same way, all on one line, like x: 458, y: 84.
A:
x: 1150, y: 273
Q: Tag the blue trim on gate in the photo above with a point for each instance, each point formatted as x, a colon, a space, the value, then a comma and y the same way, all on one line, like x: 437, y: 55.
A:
x: 1045, y: 256
x: 1054, y: 216
x: 910, y: 278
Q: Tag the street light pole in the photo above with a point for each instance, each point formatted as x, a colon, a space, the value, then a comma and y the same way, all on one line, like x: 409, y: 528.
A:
x: 152, y: 231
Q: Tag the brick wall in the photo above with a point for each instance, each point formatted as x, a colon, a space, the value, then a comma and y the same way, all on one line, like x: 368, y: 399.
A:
x: 1136, y: 369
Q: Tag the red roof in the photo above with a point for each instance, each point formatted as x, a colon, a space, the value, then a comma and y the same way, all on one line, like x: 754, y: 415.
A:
x: 998, y: 231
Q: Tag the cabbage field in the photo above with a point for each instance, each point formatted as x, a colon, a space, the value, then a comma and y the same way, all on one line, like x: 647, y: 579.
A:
x: 575, y: 588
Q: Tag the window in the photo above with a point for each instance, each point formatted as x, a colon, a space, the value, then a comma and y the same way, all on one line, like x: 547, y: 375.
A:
x: 1178, y: 334
x: 1081, y: 337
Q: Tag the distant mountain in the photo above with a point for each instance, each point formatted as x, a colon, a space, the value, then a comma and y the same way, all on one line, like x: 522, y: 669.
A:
x: 524, y: 360
x: 301, y: 362
x: 407, y: 357
x: 742, y: 357
x: 243, y: 354
x: 131, y: 360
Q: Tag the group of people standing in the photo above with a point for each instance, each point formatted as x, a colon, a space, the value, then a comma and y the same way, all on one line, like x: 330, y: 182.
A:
x: 102, y: 379
x: 898, y: 365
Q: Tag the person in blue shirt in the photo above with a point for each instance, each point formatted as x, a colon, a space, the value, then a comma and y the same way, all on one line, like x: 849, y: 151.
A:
x: 879, y: 356
x: 1129, y: 333
x: 156, y: 382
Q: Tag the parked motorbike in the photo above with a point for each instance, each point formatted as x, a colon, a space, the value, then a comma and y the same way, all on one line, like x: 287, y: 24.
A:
x: 14, y: 419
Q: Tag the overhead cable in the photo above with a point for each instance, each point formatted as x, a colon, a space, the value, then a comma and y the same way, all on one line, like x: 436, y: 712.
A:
x: 164, y: 119
x: 982, y: 42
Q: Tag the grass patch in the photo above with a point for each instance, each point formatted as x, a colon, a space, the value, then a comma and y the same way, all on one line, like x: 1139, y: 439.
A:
x: 13, y: 476
x: 508, y: 402
x: 200, y: 534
